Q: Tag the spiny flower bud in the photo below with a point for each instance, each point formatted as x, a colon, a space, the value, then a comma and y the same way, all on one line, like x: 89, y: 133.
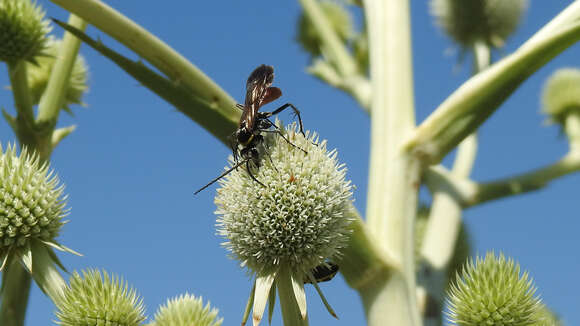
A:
x: 488, y: 21
x: 491, y: 291
x: 32, y: 205
x: 299, y: 219
x: 39, y: 74
x: 23, y: 29
x: 339, y: 19
x: 95, y: 298
x: 186, y: 310
x: 561, y: 94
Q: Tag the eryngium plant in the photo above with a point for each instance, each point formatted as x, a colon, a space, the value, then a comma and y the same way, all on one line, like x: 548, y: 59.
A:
x: 492, y: 291
x: 296, y: 222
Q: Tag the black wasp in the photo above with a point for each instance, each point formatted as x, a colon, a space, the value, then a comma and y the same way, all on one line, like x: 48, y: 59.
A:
x: 253, y: 123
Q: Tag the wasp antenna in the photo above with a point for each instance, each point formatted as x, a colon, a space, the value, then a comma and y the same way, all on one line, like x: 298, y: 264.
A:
x: 221, y: 176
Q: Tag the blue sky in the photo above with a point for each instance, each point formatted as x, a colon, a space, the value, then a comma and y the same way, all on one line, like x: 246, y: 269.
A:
x: 132, y: 165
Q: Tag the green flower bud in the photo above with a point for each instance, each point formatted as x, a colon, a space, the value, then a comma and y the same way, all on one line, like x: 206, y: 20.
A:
x: 186, y: 310
x: 95, y: 298
x: 491, y: 291
x: 32, y: 204
x: 339, y: 19
x: 547, y: 318
x: 488, y: 21
x: 39, y: 74
x: 23, y: 29
x: 299, y: 219
x: 561, y: 94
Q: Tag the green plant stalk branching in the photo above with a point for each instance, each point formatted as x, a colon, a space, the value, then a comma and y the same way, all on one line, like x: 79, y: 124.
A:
x: 393, y: 175
x: 445, y: 219
x: 37, y: 136
x: 470, y: 105
x: 333, y: 48
x: 338, y: 68
x: 53, y: 98
x: 153, y: 50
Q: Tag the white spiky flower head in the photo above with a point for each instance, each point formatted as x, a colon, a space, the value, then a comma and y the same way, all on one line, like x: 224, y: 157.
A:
x: 297, y: 220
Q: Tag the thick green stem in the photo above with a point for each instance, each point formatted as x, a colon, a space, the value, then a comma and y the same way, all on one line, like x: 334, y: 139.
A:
x: 21, y: 91
x: 469, y: 193
x: 152, y: 49
x: 444, y: 221
x: 393, y: 175
x: 572, y: 129
x: 290, y: 310
x: 468, y: 107
x: 54, y: 95
x: 15, y: 291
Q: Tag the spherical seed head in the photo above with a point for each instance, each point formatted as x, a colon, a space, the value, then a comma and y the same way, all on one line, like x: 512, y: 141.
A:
x: 32, y: 205
x: 23, y: 29
x: 299, y: 219
x: 186, y: 310
x: 95, y: 298
x: 561, y: 94
x: 339, y: 19
x: 39, y: 74
x: 491, y: 291
x: 489, y: 21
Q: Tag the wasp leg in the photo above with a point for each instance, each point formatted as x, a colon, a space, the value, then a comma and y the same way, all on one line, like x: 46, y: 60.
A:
x: 277, y: 131
x: 240, y: 106
x: 250, y: 172
x: 284, y: 107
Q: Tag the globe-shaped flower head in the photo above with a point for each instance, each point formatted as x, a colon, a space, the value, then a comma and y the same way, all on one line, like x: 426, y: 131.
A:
x: 297, y: 220
x: 32, y: 205
x: 23, y: 29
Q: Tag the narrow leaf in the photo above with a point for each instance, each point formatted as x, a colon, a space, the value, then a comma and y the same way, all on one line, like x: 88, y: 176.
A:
x: 298, y: 287
x: 271, y: 303
x: 322, y: 297
x: 263, y: 284
x: 249, y: 305
x: 196, y: 108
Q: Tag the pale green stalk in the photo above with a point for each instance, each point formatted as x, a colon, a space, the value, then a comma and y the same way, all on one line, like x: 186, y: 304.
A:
x: 290, y: 311
x: 21, y: 91
x: 15, y: 291
x: 393, y: 176
x: 333, y: 46
x: 444, y: 220
x: 53, y: 98
x: 37, y: 136
x: 153, y: 50
x: 572, y: 129
x: 469, y: 193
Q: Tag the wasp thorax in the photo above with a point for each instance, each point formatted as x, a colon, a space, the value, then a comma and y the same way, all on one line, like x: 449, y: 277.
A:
x: 296, y: 215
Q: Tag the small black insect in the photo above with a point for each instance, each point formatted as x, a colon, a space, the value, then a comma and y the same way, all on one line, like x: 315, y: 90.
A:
x: 253, y: 123
x: 323, y: 272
